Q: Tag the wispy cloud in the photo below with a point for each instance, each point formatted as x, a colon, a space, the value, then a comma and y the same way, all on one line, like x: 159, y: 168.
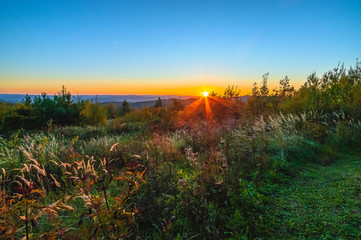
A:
x: 116, y: 42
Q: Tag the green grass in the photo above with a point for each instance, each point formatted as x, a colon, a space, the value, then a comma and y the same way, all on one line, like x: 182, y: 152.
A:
x: 323, y: 202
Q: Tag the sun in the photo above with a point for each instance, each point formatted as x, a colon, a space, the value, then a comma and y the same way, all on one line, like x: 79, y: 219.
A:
x: 205, y: 94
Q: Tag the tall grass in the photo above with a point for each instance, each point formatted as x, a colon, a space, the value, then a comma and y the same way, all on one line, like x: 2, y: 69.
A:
x: 211, y: 182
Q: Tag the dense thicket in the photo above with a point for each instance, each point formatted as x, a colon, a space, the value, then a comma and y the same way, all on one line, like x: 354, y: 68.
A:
x: 62, y: 110
x: 42, y: 110
x: 337, y: 90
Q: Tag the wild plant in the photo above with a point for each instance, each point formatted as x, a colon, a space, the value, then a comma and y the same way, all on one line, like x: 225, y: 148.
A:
x: 161, y: 151
x: 180, y: 139
x: 283, y: 132
x: 107, y: 208
x: 215, y: 164
x: 24, y: 206
x: 7, y: 226
x: 9, y: 156
x: 99, y: 146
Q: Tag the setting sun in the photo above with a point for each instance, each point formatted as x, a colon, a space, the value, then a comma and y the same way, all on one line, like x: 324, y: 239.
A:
x: 205, y: 94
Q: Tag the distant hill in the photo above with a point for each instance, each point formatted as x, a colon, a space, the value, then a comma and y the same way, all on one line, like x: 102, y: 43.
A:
x: 151, y: 103
x: 135, y: 101
x: 244, y: 98
x: 166, y: 102
x: 14, y: 98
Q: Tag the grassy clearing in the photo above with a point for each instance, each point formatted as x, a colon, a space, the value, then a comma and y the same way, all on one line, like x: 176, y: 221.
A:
x: 323, y: 202
x: 219, y: 168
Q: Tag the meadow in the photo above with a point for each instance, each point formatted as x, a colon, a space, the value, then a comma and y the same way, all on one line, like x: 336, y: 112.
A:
x: 282, y: 165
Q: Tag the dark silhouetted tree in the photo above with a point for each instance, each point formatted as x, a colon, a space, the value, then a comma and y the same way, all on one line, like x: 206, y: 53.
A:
x: 214, y: 94
x: 255, y: 90
x: 158, y: 103
x: 285, y: 87
x: 264, y: 89
x: 231, y: 91
x: 26, y: 100
x: 111, y: 110
x: 125, y: 108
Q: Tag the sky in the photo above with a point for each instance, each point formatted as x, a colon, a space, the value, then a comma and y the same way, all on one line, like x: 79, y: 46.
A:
x: 181, y: 47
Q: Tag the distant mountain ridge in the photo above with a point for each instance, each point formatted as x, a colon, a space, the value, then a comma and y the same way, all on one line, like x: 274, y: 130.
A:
x: 165, y: 102
x: 14, y: 98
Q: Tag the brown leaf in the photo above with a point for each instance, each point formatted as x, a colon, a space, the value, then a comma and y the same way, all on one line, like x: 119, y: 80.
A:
x: 119, y: 178
x: 67, y: 207
x: 39, y: 215
x: 142, y: 174
x: 113, y: 146
x: 38, y: 191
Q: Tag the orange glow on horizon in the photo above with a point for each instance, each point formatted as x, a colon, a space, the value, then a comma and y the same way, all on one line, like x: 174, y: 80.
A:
x: 182, y: 86
x: 93, y: 88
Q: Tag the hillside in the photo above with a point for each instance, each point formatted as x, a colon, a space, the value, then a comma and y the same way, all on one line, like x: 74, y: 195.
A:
x: 165, y: 102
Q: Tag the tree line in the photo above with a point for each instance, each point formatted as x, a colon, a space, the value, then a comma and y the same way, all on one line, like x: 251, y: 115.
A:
x: 61, y: 109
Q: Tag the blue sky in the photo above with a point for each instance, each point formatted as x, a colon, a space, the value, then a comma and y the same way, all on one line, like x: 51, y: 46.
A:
x: 162, y: 46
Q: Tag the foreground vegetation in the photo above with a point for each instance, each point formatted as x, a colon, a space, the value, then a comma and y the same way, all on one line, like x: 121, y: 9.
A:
x: 217, y: 169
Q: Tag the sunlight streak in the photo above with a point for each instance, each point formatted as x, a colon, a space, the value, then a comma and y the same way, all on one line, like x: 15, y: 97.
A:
x: 194, y: 105
x: 223, y: 101
x: 209, y: 115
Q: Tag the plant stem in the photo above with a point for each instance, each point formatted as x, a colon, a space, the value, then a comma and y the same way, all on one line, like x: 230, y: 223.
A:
x: 105, y: 197
x: 100, y: 223
x: 26, y: 221
x: 106, y: 202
